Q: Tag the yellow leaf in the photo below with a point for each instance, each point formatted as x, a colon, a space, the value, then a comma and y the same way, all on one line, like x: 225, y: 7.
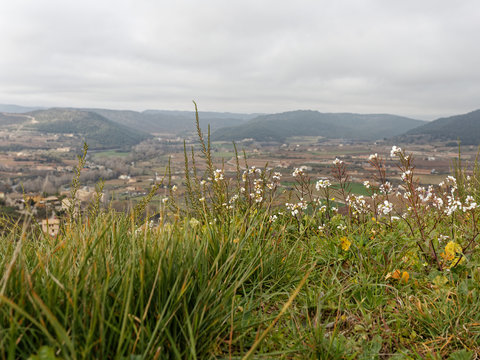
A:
x: 451, y: 249
x: 405, y: 277
x: 396, y: 274
x: 345, y: 243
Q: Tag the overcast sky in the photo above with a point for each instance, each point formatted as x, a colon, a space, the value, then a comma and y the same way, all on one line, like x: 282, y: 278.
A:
x: 410, y: 57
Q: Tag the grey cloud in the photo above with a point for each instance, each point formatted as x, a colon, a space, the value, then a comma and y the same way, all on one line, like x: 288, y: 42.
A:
x: 409, y: 57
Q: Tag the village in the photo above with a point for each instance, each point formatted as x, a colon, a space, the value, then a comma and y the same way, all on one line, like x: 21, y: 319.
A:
x: 36, y: 170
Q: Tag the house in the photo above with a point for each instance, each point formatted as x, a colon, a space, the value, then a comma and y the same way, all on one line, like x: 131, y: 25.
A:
x: 51, y: 226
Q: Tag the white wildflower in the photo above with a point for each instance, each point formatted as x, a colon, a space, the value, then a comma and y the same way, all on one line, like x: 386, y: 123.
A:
x: 322, y: 184
x: 396, y: 151
x: 406, y: 175
x: 219, y: 175
x: 386, y: 207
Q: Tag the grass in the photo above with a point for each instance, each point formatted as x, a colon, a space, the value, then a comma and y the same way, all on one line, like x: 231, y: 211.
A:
x: 228, y: 275
x: 111, y: 153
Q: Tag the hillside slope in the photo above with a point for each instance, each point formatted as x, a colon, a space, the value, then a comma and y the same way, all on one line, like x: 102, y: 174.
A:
x: 163, y: 121
x: 96, y: 130
x: 465, y: 127
x: 278, y: 127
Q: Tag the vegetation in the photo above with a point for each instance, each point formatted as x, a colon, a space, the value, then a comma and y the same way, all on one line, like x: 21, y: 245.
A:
x: 95, y: 129
x: 159, y: 121
x: 464, y: 127
x: 241, y: 270
x: 277, y: 127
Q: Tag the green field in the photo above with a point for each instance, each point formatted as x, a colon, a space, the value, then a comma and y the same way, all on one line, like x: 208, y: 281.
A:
x: 111, y: 153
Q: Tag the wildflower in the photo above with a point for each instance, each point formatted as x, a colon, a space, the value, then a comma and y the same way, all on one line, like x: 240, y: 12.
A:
x: 273, y: 218
x: 219, y: 175
x: 341, y: 227
x: 373, y: 157
x: 406, y: 175
x: 345, y: 243
x: 442, y: 237
x: 299, y: 171
x: 385, y: 188
x: 165, y: 200
x: 202, y: 199
x: 470, y: 203
x: 367, y: 184
x: 174, y: 188
x: 396, y: 151
x: 276, y: 176
x: 194, y: 222
x: 386, y: 207
x: 203, y: 182
x: 322, y: 184
x: 337, y: 161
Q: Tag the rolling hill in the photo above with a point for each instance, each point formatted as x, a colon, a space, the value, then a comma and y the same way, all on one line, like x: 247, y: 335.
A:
x: 465, y: 127
x: 164, y: 121
x: 278, y: 127
x: 96, y: 130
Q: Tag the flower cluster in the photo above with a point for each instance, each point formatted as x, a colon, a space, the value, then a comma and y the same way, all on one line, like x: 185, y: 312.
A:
x: 218, y: 175
x: 386, y: 207
x: 359, y: 204
x: 396, y: 151
x: 299, y: 171
x: 295, y: 208
x: 322, y: 184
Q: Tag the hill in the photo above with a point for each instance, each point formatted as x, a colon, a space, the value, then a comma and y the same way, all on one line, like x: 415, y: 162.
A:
x: 8, y: 119
x: 95, y: 129
x: 164, y: 121
x: 278, y: 127
x: 10, y: 108
x: 465, y: 127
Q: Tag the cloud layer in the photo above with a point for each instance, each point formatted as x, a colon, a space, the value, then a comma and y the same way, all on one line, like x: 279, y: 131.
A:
x: 411, y: 58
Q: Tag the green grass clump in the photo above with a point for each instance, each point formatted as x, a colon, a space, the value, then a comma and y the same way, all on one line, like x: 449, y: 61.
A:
x: 238, y: 269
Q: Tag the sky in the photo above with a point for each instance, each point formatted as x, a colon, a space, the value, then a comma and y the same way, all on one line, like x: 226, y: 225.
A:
x: 412, y: 58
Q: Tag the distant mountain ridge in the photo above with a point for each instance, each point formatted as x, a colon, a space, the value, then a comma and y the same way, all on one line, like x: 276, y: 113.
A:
x: 16, y: 109
x: 95, y: 129
x: 166, y: 121
x: 465, y: 127
x: 278, y: 127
